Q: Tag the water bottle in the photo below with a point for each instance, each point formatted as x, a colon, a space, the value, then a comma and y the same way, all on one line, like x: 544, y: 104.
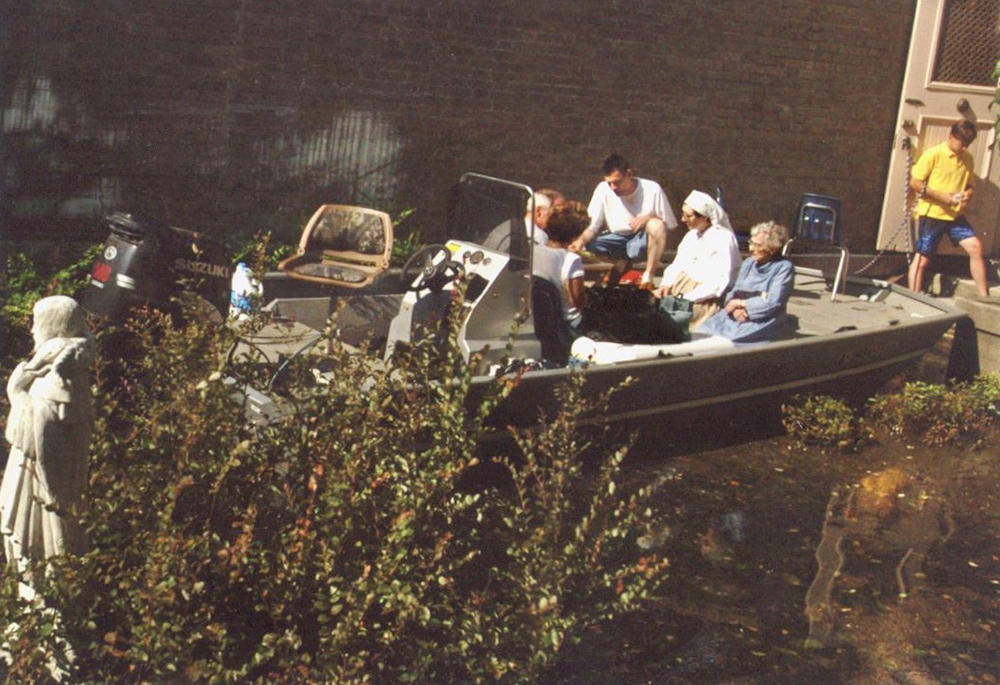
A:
x: 246, y: 289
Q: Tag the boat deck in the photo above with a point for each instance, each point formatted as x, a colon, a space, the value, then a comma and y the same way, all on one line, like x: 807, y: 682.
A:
x: 861, y: 308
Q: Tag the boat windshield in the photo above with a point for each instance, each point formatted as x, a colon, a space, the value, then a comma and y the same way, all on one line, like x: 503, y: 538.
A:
x: 490, y: 212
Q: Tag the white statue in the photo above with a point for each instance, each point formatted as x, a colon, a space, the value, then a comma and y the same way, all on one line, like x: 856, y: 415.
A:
x: 49, y: 427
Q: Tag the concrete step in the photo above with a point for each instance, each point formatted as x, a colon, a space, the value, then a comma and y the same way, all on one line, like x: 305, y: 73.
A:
x: 985, y: 314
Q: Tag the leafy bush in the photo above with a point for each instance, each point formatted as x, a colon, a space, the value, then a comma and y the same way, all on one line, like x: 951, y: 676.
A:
x: 261, y: 253
x: 404, y: 248
x: 366, y: 538
x: 822, y: 420
x: 25, y: 283
x: 938, y: 414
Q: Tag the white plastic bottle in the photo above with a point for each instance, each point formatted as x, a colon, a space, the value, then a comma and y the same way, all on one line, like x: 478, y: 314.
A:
x: 246, y: 291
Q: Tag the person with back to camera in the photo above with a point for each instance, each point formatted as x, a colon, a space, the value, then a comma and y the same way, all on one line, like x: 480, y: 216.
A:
x: 707, y: 260
x: 634, y: 215
x: 556, y: 263
x: 942, y: 179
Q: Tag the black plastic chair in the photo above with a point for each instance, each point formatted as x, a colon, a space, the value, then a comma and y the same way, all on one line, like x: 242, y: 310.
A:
x: 817, y: 229
x: 551, y: 328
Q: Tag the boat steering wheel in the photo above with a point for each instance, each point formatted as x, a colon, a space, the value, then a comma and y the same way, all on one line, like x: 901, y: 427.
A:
x: 422, y: 272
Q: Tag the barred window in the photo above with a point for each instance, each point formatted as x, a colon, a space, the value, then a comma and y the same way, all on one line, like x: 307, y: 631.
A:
x: 969, y: 44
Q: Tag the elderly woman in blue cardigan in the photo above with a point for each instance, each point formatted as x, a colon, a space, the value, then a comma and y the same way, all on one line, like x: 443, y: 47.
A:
x: 755, y: 306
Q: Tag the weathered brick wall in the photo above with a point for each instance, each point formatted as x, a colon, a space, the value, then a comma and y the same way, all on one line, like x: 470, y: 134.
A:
x: 236, y: 115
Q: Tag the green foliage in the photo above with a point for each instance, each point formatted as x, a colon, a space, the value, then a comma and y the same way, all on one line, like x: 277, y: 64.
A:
x: 366, y: 538
x: 404, y: 248
x: 938, y: 414
x: 26, y: 282
x: 822, y: 420
x: 261, y: 253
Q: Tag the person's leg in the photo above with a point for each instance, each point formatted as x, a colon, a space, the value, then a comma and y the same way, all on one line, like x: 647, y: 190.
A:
x: 915, y: 277
x: 656, y: 242
x: 613, y: 247
x: 929, y: 232
x: 977, y: 264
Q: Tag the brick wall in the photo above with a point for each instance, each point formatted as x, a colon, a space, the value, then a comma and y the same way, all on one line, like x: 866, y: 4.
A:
x: 231, y: 116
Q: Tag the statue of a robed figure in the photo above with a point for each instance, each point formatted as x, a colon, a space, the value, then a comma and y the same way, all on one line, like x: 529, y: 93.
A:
x: 49, y: 428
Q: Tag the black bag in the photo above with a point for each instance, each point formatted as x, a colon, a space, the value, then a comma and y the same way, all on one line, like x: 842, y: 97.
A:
x: 630, y: 315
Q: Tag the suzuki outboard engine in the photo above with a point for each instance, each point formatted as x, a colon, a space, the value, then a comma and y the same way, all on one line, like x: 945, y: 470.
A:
x: 147, y: 262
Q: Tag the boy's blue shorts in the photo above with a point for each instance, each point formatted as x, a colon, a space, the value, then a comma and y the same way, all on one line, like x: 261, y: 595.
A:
x: 931, y: 230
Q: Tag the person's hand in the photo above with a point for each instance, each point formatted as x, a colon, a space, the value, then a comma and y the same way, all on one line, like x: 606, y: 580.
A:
x: 662, y: 291
x: 639, y: 222
x: 735, y: 304
x: 582, y: 240
x: 963, y: 199
x: 741, y: 315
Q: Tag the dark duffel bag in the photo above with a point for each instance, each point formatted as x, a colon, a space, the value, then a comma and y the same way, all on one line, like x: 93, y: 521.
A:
x: 630, y: 315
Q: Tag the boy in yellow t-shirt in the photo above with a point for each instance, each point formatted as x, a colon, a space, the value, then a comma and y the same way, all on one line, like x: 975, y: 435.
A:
x: 942, y: 179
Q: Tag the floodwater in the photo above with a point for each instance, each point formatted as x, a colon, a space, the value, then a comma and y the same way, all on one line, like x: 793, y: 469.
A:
x: 803, y: 565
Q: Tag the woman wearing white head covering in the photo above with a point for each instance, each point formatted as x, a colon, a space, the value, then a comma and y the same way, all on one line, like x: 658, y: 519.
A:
x: 707, y: 260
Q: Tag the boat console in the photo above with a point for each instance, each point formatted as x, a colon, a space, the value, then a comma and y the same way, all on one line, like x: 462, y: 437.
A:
x: 494, y: 287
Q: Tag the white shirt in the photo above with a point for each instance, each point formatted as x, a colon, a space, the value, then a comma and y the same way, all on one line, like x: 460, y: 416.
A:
x: 558, y: 266
x: 712, y: 258
x: 607, y: 209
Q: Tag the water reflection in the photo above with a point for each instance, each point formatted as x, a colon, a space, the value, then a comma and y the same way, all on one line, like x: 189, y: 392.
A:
x: 798, y: 566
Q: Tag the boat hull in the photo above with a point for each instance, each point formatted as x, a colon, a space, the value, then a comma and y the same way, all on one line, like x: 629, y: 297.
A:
x: 852, y: 364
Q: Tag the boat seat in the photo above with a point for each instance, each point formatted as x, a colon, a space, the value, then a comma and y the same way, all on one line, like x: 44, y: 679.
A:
x: 342, y: 245
x: 817, y: 230
x: 551, y: 328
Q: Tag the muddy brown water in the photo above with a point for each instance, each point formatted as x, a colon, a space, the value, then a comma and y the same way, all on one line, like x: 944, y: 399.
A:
x: 806, y: 565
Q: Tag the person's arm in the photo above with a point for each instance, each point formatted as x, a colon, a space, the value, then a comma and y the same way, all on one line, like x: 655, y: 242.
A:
x: 577, y: 293
x: 681, y: 261
x: 721, y: 260
x: 572, y: 275
x: 662, y: 208
x: 596, y: 211
x: 765, y: 304
x: 922, y: 189
x: 919, y: 183
x: 637, y: 223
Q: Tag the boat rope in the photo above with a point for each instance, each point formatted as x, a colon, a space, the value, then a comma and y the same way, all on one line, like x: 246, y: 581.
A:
x: 904, y: 224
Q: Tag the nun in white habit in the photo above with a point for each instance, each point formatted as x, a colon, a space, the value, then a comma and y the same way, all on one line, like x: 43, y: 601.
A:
x: 708, y: 258
x: 49, y: 428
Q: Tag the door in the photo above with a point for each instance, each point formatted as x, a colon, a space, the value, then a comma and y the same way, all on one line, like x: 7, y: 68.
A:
x: 949, y: 76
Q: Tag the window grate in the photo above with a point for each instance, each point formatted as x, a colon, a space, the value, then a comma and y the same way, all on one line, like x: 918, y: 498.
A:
x: 970, y: 42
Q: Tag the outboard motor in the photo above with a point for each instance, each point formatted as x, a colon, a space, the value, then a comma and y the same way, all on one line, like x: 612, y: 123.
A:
x: 148, y: 262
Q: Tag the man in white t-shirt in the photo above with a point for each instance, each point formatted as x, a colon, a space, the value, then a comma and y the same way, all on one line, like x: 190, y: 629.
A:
x: 629, y: 219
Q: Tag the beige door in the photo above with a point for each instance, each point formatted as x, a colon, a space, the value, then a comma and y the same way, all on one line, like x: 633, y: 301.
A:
x: 949, y: 75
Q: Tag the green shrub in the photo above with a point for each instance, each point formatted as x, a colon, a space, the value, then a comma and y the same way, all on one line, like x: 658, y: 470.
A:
x: 822, y: 420
x: 404, y: 248
x: 24, y: 283
x: 939, y: 414
x: 357, y: 541
x: 261, y: 253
